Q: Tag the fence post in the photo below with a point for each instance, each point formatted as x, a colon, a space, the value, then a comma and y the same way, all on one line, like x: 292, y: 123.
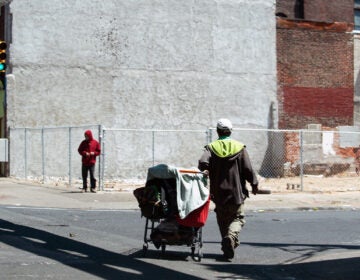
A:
x: 101, y: 159
x: 208, y: 136
x: 43, y: 153
x: 25, y: 155
x: 70, y: 167
x: 301, y: 161
x: 153, y: 147
x: 103, y: 140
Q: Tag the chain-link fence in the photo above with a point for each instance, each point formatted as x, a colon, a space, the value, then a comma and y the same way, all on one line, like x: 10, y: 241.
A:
x: 292, y: 159
x: 48, y: 154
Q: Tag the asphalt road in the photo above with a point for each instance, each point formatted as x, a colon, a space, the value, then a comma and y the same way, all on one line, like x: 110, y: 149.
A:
x: 43, y: 243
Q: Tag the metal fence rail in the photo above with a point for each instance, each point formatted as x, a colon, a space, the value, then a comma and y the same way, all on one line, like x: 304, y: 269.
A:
x: 293, y: 156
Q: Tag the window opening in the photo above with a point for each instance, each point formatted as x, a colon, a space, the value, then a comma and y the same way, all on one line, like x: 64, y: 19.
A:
x: 299, y: 9
x: 357, y: 15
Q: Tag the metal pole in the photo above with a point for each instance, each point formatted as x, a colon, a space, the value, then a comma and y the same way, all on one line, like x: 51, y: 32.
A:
x: 101, y: 157
x: 209, y: 131
x: 25, y: 155
x: 301, y: 161
x: 153, y: 147
x: 70, y: 167
x: 43, y: 154
x: 103, y: 141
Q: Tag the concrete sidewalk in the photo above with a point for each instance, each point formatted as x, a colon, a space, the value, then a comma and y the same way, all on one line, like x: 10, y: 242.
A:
x: 22, y: 193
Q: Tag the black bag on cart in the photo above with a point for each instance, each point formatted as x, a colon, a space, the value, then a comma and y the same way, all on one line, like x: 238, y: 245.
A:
x: 151, y: 199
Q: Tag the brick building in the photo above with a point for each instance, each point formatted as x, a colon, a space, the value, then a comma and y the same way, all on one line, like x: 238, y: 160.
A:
x: 315, y: 77
x: 315, y: 63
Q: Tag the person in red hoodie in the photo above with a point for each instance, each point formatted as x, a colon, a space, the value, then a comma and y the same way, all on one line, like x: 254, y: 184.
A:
x: 89, y: 149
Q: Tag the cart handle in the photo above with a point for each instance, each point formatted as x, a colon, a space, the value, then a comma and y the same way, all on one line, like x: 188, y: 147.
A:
x: 190, y: 171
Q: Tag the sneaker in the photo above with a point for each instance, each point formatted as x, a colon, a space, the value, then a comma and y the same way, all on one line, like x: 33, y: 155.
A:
x: 228, y: 247
x: 93, y: 190
x: 83, y: 190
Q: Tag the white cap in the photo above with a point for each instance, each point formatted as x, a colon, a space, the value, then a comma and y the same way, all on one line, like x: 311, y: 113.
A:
x: 224, y: 124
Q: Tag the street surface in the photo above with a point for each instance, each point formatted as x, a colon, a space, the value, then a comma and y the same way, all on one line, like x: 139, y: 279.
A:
x: 45, y: 243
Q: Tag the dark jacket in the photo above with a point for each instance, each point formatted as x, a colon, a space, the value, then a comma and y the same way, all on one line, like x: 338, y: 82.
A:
x: 229, y: 168
x: 88, y: 146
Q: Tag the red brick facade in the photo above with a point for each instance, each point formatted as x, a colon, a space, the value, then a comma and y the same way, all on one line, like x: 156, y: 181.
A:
x: 327, y: 106
x: 292, y: 147
x: 315, y: 73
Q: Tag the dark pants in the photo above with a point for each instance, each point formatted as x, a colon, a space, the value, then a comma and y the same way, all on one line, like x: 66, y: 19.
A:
x: 85, y: 170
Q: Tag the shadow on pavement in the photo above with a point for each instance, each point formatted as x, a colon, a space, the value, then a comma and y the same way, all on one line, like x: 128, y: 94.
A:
x: 110, y: 265
x: 330, y: 270
x: 90, y: 259
x: 301, y: 267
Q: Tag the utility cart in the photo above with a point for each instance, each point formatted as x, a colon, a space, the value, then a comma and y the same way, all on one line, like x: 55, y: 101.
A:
x: 175, y: 202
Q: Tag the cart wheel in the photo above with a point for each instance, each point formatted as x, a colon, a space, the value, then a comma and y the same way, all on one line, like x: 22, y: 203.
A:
x: 145, y: 248
x: 200, y: 255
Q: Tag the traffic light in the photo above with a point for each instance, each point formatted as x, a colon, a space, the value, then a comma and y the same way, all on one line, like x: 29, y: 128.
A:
x: 3, y: 47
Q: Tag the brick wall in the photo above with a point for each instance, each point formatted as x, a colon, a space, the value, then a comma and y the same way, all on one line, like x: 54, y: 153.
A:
x: 315, y: 73
x: 286, y: 7
x: 357, y: 79
x: 292, y: 146
x: 329, y: 10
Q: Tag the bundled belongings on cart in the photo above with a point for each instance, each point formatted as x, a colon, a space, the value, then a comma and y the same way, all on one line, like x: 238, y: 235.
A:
x: 177, y: 200
x: 152, y: 199
x: 170, y: 232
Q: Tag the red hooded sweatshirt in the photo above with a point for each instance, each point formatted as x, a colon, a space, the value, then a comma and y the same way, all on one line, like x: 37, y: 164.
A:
x: 89, y: 146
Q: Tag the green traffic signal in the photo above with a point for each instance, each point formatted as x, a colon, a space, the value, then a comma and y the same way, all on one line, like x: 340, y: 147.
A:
x: 2, y: 66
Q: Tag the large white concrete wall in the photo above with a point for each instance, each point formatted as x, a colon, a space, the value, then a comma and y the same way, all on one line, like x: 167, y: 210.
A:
x: 147, y: 64
x: 142, y: 64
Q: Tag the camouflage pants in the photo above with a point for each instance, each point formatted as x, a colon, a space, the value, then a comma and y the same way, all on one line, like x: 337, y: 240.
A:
x: 230, y: 219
